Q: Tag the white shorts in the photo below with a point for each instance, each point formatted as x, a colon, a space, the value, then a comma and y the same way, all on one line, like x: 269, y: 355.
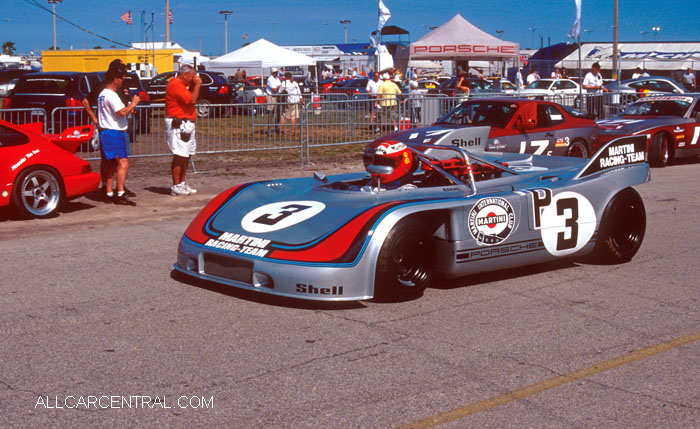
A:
x: 181, y: 140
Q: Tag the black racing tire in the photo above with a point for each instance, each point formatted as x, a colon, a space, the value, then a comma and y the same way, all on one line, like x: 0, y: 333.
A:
x: 38, y: 192
x: 578, y: 149
x: 204, y: 109
x: 660, y: 151
x: 622, y: 228
x: 404, y: 266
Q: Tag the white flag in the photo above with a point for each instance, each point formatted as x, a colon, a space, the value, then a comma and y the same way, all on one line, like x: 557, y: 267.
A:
x: 384, y: 16
x: 576, y: 28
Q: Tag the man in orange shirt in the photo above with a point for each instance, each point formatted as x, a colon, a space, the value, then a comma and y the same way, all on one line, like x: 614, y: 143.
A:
x: 180, y: 113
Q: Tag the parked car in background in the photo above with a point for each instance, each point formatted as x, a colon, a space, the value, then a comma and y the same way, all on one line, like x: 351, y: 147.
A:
x: 69, y: 89
x: 502, y: 84
x: 644, y: 85
x: 5, y: 88
x: 566, y: 89
x: 39, y: 172
x: 353, y: 88
x: 216, y: 89
x: 672, y: 123
x: 51, y: 90
x: 325, y: 85
x: 514, y: 125
x: 449, y: 87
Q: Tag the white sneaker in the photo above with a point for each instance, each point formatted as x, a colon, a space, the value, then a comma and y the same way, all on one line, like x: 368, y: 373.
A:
x: 178, y: 190
x: 187, y: 188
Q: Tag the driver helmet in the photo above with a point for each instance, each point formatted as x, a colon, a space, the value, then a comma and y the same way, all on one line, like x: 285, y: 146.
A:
x: 392, y: 154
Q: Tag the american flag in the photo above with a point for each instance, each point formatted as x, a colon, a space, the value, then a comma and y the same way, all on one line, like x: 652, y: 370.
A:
x: 245, y: 37
x: 170, y: 15
x: 126, y: 17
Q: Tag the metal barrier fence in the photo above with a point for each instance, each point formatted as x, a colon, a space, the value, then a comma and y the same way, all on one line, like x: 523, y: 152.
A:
x: 24, y: 116
x: 322, y: 120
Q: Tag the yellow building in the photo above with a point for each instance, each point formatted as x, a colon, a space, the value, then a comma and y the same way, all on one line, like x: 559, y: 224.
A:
x: 90, y: 60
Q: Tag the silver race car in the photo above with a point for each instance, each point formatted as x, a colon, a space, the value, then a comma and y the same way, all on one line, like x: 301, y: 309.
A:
x: 419, y: 212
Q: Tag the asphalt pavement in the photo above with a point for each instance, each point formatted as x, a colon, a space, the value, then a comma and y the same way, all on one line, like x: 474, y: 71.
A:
x: 99, y: 331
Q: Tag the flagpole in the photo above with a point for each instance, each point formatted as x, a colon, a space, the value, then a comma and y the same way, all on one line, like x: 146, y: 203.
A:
x: 131, y: 29
x: 167, y: 22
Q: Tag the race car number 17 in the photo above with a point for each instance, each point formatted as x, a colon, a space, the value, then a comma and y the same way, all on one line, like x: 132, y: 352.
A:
x: 566, y: 221
x: 276, y: 216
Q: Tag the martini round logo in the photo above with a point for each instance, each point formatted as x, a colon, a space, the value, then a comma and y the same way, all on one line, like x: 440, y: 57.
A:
x: 491, y: 221
x: 275, y: 216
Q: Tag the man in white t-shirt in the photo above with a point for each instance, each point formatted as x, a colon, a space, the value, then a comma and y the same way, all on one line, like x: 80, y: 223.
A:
x: 556, y: 74
x: 637, y: 73
x: 519, y: 79
x: 689, y: 80
x: 293, y: 99
x: 272, y: 87
x: 593, y: 84
x: 371, y: 88
x: 532, y: 77
x: 113, y: 123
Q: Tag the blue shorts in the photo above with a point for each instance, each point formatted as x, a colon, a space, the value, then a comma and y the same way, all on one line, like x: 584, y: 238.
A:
x: 114, y: 144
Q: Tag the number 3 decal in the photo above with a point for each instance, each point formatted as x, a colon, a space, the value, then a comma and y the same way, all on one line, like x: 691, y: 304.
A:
x: 567, y: 220
x: 275, y: 216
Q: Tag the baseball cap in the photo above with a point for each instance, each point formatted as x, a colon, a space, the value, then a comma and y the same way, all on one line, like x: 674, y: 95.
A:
x: 386, y: 76
x: 115, y: 63
x: 273, y: 70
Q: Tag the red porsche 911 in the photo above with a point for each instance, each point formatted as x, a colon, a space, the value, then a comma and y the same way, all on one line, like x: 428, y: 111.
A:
x: 39, y: 172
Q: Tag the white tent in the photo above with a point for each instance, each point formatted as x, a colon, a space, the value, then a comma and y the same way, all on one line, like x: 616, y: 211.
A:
x: 649, y: 55
x: 260, y: 54
x: 459, y: 40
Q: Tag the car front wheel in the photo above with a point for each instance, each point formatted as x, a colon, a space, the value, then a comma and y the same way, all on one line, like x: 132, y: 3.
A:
x: 404, y: 265
x: 37, y: 192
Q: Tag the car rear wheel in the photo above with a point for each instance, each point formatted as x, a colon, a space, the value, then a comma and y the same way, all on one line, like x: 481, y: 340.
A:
x: 659, y: 151
x: 578, y: 149
x: 621, y: 229
x: 37, y: 192
x: 203, y: 108
x: 404, y: 265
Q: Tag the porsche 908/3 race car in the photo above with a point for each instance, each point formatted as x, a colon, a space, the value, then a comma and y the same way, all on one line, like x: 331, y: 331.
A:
x: 517, y: 125
x: 36, y: 175
x: 417, y: 216
x: 671, y: 121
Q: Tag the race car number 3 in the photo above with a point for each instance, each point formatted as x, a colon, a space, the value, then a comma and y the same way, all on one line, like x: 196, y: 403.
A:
x: 276, y: 216
x: 566, y: 221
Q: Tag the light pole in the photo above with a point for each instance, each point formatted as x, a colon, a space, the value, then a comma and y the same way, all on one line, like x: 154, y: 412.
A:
x: 53, y: 9
x: 225, y: 13
x: 273, y: 30
x: 326, y: 24
x: 345, y: 22
x: 500, y: 34
x: 656, y: 32
x: 532, y: 37
x: 644, y: 34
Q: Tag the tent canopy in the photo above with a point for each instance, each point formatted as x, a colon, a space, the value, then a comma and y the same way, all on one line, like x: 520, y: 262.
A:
x: 259, y: 54
x: 457, y: 39
x: 389, y: 30
x: 650, y: 55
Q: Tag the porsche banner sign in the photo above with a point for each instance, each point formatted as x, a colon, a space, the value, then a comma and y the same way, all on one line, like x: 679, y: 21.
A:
x: 457, y: 39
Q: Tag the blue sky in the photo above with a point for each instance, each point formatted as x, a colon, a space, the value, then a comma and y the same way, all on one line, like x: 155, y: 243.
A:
x: 297, y: 22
